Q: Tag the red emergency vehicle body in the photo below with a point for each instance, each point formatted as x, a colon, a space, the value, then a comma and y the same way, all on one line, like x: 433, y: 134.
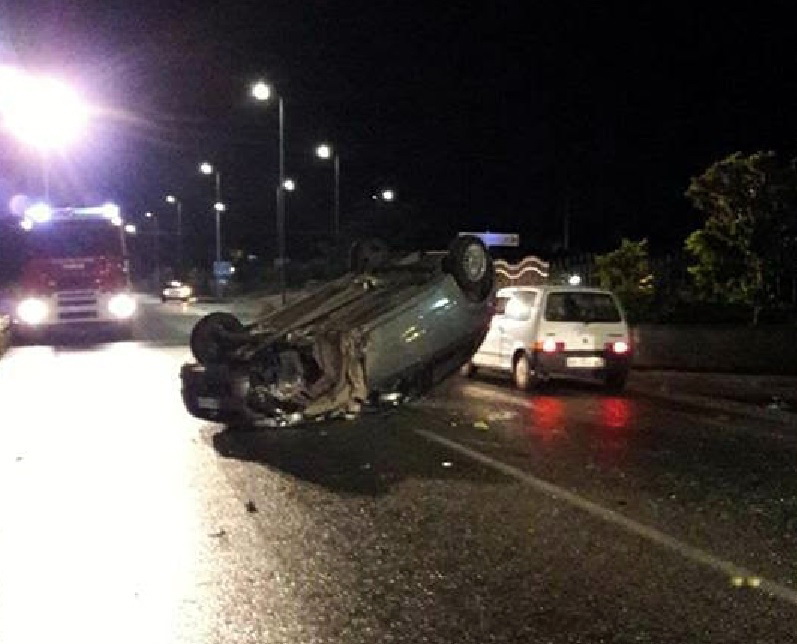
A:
x: 76, y: 270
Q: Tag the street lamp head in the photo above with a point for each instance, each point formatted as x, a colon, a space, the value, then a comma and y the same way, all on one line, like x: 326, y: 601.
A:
x: 171, y: 199
x: 261, y: 90
x: 206, y: 168
x: 323, y: 151
x: 388, y: 194
x: 289, y: 185
x: 130, y: 229
x: 148, y: 215
x: 219, y: 206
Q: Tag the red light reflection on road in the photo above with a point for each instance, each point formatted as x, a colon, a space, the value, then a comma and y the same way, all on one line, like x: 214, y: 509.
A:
x: 546, y: 418
x: 616, y: 418
x: 615, y: 413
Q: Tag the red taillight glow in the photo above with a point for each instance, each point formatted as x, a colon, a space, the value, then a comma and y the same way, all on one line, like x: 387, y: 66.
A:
x: 620, y: 346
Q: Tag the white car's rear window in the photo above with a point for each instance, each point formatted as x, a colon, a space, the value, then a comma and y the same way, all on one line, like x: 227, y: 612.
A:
x: 581, y: 306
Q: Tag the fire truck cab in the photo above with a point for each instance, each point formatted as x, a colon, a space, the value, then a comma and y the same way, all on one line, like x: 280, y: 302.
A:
x: 75, y: 271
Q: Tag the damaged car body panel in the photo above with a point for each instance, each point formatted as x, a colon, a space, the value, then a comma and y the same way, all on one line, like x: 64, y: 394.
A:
x: 385, y: 333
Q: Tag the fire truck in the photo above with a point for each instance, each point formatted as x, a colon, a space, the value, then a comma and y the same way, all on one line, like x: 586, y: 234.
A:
x: 75, y: 272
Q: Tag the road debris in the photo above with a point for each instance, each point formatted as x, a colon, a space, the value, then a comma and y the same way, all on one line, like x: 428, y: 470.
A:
x: 502, y: 415
x: 219, y: 534
x: 251, y: 507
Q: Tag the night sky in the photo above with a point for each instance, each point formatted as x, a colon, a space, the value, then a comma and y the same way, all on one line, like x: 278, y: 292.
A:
x: 494, y: 115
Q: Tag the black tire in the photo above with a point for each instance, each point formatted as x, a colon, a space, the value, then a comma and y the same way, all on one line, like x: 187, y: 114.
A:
x: 367, y: 254
x: 470, y: 264
x: 614, y: 381
x: 206, y: 342
x: 522, y: 374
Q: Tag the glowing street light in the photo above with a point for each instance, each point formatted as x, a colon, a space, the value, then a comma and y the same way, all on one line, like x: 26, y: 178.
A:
x: 42, y: 112
x: 386, y: 194
x: 219, y: 207
x: 289, y: 185
x: 131, y: 229
x: 262, y: 92
x: 326, y: 152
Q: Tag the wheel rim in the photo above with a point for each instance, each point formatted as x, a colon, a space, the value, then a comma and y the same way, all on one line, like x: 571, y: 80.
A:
x: 522, y: 372
x: 475, y: 262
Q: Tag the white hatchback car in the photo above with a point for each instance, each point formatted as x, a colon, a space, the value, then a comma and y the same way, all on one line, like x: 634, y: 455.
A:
x: 542, y: 332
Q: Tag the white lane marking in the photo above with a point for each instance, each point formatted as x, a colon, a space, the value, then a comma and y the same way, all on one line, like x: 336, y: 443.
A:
x: 629, y: 525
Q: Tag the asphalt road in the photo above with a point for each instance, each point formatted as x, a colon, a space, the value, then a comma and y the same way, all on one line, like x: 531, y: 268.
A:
x: 477, y: 515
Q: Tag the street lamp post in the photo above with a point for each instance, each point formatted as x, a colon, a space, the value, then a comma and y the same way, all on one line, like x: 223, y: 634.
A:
x: 326, y: 151
x: 262, y: 91
x: 179, y: 205
x: 218, y: 208
x: 156, y: 246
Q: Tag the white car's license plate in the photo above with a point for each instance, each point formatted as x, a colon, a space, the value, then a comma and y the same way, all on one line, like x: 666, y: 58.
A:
x: 585, y: 362
x: 208, y: 403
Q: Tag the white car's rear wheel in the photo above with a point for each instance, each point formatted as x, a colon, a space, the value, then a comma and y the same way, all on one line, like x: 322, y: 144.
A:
x: 522, y: 374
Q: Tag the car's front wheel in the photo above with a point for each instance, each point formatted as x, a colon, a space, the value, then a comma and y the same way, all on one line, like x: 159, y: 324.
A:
x: 470, y: 264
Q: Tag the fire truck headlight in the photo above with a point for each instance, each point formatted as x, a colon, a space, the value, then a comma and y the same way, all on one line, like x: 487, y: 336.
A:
x: 122, y: 306
x: 32, y: 311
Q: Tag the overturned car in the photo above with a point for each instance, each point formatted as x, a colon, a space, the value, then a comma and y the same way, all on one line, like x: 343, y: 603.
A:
x: 385, y: 332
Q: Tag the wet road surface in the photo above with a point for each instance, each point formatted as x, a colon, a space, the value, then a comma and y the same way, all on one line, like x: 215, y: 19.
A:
x: 478, y: 515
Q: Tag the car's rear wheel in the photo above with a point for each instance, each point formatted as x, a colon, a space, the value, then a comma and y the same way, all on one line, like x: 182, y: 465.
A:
x: 470, y: 264
x: 208, y: 342
x: 522, y: 373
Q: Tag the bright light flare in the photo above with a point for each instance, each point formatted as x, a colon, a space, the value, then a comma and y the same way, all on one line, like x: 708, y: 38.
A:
x: 388, y: 195
x: 122, y: 306
x: 26, y: 224
x: 206, y: 168
x: 574, y: 280
x: 219, y: 206
x: 41, y: 111
x: 171, y: 199
x: 261, y: 91
x: 131, y: 229
x: 289, y: 185
x: 32, y: 311
x: 39, y: 213
x: 324, y: 151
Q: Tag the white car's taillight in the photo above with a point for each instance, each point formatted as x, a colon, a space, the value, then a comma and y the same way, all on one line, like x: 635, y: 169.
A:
x: 549, y: 345
x: 620, y: 347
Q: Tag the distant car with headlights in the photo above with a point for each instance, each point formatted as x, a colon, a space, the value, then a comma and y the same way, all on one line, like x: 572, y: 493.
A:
x: 383, y: 333
x: 176, y: 290
x: 544, y: 332
x: 74, y: 272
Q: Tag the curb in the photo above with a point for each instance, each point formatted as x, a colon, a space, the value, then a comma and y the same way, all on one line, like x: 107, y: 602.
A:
x: 724, y: 405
